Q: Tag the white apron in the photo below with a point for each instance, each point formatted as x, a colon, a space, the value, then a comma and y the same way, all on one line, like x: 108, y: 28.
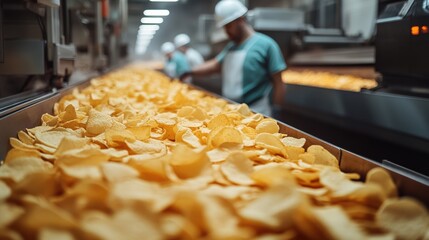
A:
x: 170, y: 69
x: 232, y: 80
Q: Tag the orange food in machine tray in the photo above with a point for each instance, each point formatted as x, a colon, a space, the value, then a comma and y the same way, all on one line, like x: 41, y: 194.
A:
x: 328, y: 80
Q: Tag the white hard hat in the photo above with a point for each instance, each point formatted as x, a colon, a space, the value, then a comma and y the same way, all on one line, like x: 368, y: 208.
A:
x: 167, y: 47
x: 227, y: 11
x: 181, y: 40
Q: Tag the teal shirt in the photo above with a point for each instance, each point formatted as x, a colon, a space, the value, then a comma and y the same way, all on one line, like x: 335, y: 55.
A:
x: 263, y: 59
x: 182, y: 65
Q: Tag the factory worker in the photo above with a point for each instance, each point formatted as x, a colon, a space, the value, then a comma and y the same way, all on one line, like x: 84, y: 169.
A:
x: 251, y: 63
x: 182, y: 42
x: 176, y: 63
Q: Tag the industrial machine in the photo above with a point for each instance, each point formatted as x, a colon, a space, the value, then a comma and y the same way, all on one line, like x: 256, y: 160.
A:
x: 45, y: 43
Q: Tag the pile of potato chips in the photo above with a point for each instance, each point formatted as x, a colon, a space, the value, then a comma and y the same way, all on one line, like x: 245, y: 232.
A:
x: 328, y: 80
x: 137, y: 156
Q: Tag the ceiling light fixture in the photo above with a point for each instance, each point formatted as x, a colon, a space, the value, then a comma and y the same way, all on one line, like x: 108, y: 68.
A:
x: 156, y: 12
x: 155, y: 20
x: 164, y: 0
x: 149, y: 27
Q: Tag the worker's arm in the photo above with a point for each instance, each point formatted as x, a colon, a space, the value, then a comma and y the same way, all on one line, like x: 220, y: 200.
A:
x: 278, y: 89
x: 207, y: 68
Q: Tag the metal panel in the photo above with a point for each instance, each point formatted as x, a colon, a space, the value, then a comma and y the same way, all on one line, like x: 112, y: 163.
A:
x: 398, y: 114
x: 23, y: 57
x: 408, y: 183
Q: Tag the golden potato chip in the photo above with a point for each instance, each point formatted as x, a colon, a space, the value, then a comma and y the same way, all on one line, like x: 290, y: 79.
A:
x: 5, y: 191
x: 25, y: 138
x: 41, y: 213
x: 221, y: 220
x: 116, y: 172
x: 338, y: 183
x: 49, y: 234
x: 267, y: 125
x: 275, y: 208
x: 337, y: 224
x: 219, y: 120
x: 188, y: 163
x: 49, y: 120
x: 322, y: 156
x: 270, y: 176
x: 116, y: 137
x: 9, y: 214
x: 167, y: 119
x: 225, y: 135
x: 237, y: 169
x: 18, y: 168
x: 18, y: 153
x: 271, y: 143
x: 124, y: 224
x: 405, y: 217
x: 86, y: 156
x: 253, y: 120
x: 243, y: 109
x: 141, y: 133
x: 154, y: 169
x: 151, y: 146
x: 42, y: 183
x: 136, y: 190
x: 186, y: 136
x: 17, y: 144
x: 294, y: 153
x: 52, y: 138
x: 217, y: 155
x: 69, y: 113
x: 69, y: 143
x: 293, y: 142
x: 382, y: 178
x: 98, y: 122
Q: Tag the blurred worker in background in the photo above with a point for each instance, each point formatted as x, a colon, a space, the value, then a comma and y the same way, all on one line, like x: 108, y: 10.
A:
x: 182, y: 42
x: 251, y: 64
x: 176, y: 63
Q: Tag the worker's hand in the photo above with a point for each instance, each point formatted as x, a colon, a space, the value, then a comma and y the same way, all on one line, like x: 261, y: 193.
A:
x: 185, y: 76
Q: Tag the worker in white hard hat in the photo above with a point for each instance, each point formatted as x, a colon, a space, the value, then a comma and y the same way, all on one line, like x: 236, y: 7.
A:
x: 182, y: 42
x: 251, y: 64
x: 176, y: 63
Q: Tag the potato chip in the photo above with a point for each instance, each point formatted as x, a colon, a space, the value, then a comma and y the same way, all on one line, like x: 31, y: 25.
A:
x: 49, y: 234
x: 267, y: 125
x: 405, y: 217
x: 225, y: 135
x: 322, y: 156
x: 275, y: 208
x: 338, y: 183
x: 98, y: 122
x: 271, y: 143
x: 154, y: 169
x: 217, y: 155
x: 293, y: 142
x: 42, y: 183
x: 151, y: 146
x: 186, y: 136
x: 271, y: 176
x: 337, y: 224
x: 70, y: 143
x: 141, y: 133
x: 380, y: 177
x: 188, y: 163
x: 219, y: 120
x: 125, y: 224
x: 294, y: 153
x: 18, y: 168
x: 253, y: 120
x: 5, y: 191
x: 41, y: 213
x: 116, y: 172
x: 25, y: 138
x: 52, y: 138
x: 237, y: 169
x: 9, y: 214
x: 115, y: 138
x: 69, y: 113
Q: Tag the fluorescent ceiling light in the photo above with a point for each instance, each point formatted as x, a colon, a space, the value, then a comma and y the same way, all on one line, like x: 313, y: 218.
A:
x: 146, y: 32
x: 144, y: 36
x: 164, y: 0
x: 149, y: 27
x: 156, y: 20
x: 156, y: 12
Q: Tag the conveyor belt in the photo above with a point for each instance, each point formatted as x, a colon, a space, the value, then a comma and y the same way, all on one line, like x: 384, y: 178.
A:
x: 408, y: 183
